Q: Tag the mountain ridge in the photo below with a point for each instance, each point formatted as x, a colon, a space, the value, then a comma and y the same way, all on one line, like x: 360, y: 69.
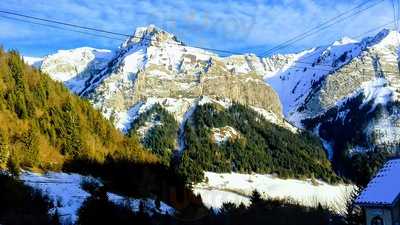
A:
x: 149, y: 56
x: 153, y: 66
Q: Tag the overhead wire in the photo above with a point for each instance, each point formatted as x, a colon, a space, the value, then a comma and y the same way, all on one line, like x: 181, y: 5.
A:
x: 133, y: 36
x: 333, y: 21
x: 3, y: 11
x: 60, y: 28
x: 394, y: 14
x: 354, y: 37
x: 120, y: 39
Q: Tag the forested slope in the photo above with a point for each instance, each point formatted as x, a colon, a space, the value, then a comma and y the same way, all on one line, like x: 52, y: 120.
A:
x: 259, y: 146
x: 42, y: 124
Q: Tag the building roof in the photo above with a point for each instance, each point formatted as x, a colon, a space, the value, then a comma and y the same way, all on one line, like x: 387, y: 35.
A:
x: 384, y: 188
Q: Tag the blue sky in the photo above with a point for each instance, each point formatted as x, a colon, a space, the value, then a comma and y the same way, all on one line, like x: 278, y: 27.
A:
x: 240, y: 26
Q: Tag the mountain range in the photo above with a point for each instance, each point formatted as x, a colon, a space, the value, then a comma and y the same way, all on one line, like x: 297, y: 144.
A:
x: 197, y: 129
x: 345, y: 93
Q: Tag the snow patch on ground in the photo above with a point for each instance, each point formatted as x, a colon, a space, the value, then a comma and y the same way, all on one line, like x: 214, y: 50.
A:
x: 142, y: 131
x: 75, y: 66
x: 358, y: 149
x: 226, y: 103
x: 386, y: 39
x: 186, y: 117
x: 215, y: 198
x: 234, y: 187
x: 63, y: 189
x: 224, y: 134
x: 298, y: 79
x: 384, y: 130
x: 66, y: 64
x: 273, y: 118
x: 377, y: 91
x: 67, y: 195
x: 177, y: 107
x: 149, y: 204
x: 123, y: 120
x: 344, y: 41
x: 134, y: 61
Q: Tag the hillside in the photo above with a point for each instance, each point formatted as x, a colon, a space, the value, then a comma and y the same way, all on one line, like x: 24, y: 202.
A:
x: 43, y: 125
x: 239, y: 139
x: 346, y: 93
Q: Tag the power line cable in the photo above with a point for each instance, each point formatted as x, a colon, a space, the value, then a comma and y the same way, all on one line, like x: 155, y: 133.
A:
x: 318, y: 26
x: 373, y: 29
x: 322, y: 28
x: 64, y: 23
x: 354, y: 37
x: 125, y: 35
x: 61, y: 28
x: 110, y: 32
x: 324, y: 25
x: 133, y: 36
x: 394, y: 15
x: 396, y: 24
x: 397, y: 2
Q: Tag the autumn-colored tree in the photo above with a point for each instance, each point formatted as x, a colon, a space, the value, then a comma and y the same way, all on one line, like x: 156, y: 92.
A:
x: 42, y: 124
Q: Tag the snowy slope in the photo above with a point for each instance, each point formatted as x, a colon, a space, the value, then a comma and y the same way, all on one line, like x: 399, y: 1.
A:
x: 33, y: 61
x: 74, y: 67
x: 297, y: 79
x: 67, y: 195
x: 236, y: 188
x: 316, y: 83
x: 63, y: 189
x: 301, y: 82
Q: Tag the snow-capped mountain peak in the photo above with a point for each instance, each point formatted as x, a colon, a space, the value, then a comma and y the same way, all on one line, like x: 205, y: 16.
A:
x: 74, y: 67
x: 154, y: 65
x: 151, y: 36
x: 344, y: 41
x: 330, y: 85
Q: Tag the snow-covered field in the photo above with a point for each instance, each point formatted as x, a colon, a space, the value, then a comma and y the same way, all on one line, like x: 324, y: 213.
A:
x: 236, y: 188
x: 67, y: 195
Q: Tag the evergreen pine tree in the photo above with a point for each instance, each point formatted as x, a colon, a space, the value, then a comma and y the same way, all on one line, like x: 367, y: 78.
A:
x: 256, y: 199
x: 4, y: 152
x: 354, y: 214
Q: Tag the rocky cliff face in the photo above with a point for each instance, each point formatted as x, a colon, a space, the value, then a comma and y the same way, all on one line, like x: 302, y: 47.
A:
x: 153, y: 66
